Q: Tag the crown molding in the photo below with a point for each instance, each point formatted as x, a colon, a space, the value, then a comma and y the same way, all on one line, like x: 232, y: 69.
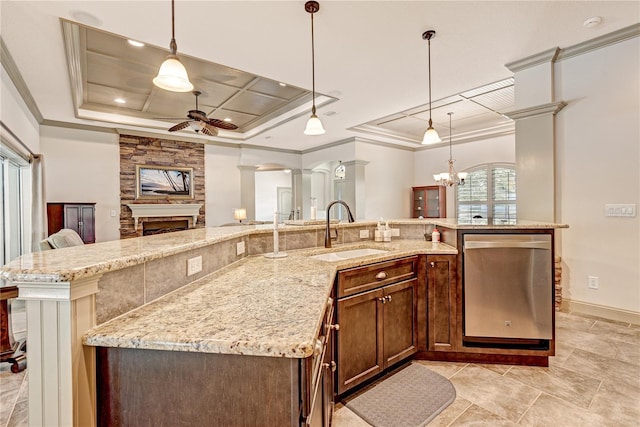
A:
x: 538, y: 110
x: 16, y: 78
x: 600, y: 42
x: 546, y: 56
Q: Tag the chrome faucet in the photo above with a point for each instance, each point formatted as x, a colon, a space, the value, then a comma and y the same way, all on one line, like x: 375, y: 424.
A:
x: 327, y: 233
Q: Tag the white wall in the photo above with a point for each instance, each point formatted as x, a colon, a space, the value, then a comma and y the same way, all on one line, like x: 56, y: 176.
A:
x: 388, y: 180
x: 222, y: 184
x: 16, y: 116
x: 84, y: 166
x: 434, y: 160
x: 598, y: 158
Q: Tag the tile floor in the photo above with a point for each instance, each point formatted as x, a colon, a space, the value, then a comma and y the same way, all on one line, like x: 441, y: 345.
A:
x: 594, y: 380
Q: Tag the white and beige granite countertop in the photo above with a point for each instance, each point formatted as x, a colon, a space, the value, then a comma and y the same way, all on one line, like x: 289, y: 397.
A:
x: 482, y: 223
x: 256, y: 306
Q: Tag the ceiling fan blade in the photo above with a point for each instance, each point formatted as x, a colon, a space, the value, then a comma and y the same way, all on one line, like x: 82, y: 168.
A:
x: 222, y: 124
x: 179, y: 126
x: 168, y: 118
x: 209, y: 130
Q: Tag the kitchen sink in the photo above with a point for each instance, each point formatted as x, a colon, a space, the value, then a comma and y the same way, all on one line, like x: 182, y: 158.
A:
x: 343, y: 255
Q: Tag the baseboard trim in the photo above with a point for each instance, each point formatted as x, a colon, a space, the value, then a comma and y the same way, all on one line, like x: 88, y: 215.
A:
x: 605, y: 312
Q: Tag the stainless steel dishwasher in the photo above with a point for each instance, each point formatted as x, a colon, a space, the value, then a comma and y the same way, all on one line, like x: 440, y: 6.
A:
x: 508, y: 286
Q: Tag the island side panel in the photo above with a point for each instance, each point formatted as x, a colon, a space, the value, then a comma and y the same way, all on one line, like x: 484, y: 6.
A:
x: 172, y: 388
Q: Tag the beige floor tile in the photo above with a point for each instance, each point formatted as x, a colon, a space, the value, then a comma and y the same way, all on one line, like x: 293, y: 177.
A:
x: 577, y: 388
x: 586, y: 341
x: 502, y: 396
x: 620, y: 332
x: 20, y: 414
x: 607, y: 369
x: 345, y: 417
x: 476, y: 416
x: 619, y: 404
x: 498, y: 369
x: 566, y: 320
x: 446, y: 369
x: 451, y: 412
x: 550, y: 411
x: 628, y: 352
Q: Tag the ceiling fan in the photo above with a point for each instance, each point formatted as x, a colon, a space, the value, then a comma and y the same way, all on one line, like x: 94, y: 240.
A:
x: 199, y: 122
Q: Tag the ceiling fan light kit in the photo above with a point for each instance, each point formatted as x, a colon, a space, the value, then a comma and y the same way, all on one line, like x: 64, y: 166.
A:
x: 314, y: 125
x: 431, y: 135
x: 172, y: 75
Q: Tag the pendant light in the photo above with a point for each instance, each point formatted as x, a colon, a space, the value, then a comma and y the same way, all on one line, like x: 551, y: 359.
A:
x: 314, y: 125
x: 430, y: 136
x: 172, y: 75
x: 447, y: 179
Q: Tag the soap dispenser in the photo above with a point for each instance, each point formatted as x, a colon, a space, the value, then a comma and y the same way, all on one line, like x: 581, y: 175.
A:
x: 386, y: 235
x: 378, y: 233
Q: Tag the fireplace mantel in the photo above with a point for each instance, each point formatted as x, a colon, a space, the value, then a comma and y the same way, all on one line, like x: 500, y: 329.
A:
x: 164, y: 210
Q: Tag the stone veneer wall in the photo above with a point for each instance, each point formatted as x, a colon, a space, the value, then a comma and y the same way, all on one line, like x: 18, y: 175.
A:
x: 140, y: 150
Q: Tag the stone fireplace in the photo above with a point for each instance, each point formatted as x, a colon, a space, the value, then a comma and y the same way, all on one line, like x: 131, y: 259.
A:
x: 138, y: 214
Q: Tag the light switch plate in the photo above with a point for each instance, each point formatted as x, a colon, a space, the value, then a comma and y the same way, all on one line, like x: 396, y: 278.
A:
x: 364, y: 234
x: 194, y: 265
x: 628, y: 210
x: 113, y: 212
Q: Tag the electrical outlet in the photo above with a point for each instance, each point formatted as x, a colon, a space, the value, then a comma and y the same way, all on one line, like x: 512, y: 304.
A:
x: 194, y: 265
x: 592, y: 282
x: 364, y: 234
x: 395, y: 232
x: 113, y: 212
x: 240, y: 248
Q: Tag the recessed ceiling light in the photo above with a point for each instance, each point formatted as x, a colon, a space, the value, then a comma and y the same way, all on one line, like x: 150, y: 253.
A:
x: 120, y: 101
x: 282, y: 84
x: 594, y: 21
x: 227, y: 119
x: 135, y: 43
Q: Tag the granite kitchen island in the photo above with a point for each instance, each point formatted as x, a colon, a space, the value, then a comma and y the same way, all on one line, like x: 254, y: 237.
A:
x: 132, y: 298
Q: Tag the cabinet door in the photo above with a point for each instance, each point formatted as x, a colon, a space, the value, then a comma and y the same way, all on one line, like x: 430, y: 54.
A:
x: 442, y: 325
x: 429, y: 202
x: 80, y: 218
x: 359, y: 345
x: 400, y: 325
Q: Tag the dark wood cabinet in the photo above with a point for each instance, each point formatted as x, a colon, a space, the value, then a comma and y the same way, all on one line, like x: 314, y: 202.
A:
x: 79, y: 217
x: 429, y: 202
x: 442, y: 328
x: 378, y: 326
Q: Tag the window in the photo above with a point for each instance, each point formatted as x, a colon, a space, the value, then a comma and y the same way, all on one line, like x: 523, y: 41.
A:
x: 14, y: 182
x: 489, y: 191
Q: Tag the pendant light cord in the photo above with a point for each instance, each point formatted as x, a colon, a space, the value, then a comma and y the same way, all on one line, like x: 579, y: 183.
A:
x: 173, y: 46
x: 313, y: 69
x: 450, y: 149
x: 429, y: 44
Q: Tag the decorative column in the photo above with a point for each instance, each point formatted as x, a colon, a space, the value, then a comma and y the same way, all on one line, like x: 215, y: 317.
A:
x: 534, y: 118
x: 355, y: 193
x: 62, y: 389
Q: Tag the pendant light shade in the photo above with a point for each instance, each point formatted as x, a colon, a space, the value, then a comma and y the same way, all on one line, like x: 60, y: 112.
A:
x: 314, y: 125
x: 431, y: 135
x: 172, y: 75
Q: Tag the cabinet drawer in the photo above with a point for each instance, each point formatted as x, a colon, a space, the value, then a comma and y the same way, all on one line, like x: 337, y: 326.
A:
x: 361, y: 279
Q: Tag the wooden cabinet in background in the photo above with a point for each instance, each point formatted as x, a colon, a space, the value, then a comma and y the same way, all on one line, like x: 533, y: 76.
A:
x: 429, y: 202
x: 442, y: 324
x: 378, y: 326
x: 79, y: 217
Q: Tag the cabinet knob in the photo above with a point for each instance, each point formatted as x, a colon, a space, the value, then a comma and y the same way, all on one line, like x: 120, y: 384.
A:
x: 383, y: 300
x: 388, y: 298
x: 433, y: 264
x: 335, y: 327
x: 331, y: 365
x: 382, y: 275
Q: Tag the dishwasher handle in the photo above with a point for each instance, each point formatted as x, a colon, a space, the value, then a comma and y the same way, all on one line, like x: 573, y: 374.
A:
x: 488, y: 244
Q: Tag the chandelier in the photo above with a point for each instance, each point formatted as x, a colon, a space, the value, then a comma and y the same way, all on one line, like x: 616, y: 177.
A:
x: 448, y: 179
